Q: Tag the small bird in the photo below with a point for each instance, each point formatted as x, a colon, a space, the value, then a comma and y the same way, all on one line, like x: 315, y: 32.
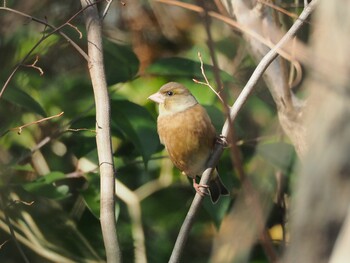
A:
x: 188, y: 135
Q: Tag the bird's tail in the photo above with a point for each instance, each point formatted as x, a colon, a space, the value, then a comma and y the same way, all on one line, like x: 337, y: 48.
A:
x: 216, y: 187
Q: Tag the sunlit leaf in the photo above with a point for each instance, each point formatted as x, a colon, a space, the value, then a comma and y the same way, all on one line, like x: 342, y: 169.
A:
x: 25, y: 168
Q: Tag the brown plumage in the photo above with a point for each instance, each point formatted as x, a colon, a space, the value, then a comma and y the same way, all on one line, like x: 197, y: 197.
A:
x: 185, y: 129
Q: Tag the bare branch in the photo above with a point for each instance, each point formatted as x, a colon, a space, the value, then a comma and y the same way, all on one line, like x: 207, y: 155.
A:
x: 300, y: 55
x: 319, y: 223
x: 33, y: 65
x: 206, y: 83
x: 23, y: 202
x: 81, y: 129
x: 20, y: 128
x: 341, y: 248
x: 237, y: 106
x: 103, y: 136
x: 76, y: 29
x: 279, y: 9
x: 3, y: 243
x: 254, y: 203
x: 134, y: 209
x: 109, y: 2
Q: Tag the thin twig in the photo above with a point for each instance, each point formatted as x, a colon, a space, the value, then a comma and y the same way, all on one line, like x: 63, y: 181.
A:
x: 3, y: 243
x: 76, y: 29
x: 109, y: 2
x: 55, y: 134
x: 211, y: 47
x: 207, y: 83
x: 81, y: 129
x: 23, y: 202
x: 236, y: 158
x: 300, y: 55
x: 266, y: 61
x: 20, y: 128
x: 33, y: 65
x: 280, y: 9
x: 237, y: 106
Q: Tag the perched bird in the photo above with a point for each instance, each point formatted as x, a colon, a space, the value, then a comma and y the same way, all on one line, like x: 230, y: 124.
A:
x: 185, y: 129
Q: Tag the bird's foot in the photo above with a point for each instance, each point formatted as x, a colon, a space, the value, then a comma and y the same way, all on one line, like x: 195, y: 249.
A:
x: 198, y: 187
x: 221, y: 139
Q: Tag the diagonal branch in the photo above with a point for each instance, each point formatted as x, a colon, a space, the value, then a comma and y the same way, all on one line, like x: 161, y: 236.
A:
x: 237, y: 106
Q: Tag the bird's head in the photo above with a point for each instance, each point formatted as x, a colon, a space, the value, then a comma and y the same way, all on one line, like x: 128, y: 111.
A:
x: 172, y: 98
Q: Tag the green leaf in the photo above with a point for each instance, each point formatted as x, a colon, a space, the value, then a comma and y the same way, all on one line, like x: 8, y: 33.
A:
x: 44, y: 186
x: 91, y: 195
x: 279, y: 154
x: 217, y: 211
x: 23, y: 100
x: 82, y: 143
x: 121, y: 64
x: 25, y: 168
x: 136, y: 124
x: 216, y: 116
x: 182, y: 67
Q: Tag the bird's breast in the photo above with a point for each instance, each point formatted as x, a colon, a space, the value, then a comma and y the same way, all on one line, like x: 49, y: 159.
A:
x: 188, y: 137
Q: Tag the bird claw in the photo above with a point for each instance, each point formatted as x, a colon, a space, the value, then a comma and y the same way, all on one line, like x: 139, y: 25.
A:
x: 221, y: 139
x: 198, y: 187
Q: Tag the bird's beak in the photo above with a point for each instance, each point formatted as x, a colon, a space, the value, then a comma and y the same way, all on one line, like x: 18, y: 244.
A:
x: 157, y: 97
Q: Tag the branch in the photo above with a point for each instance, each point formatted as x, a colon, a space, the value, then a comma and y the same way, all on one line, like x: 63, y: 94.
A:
x: 279, y: 9
x: 12, y: 231
x: 133, y: 203
x: 29, y: 234
x: 4, y: 243
x: 103, y: 136
x: 109, y: 2
x: 320, y: 218
x: 300, y: 55
x: 341, y: 247
x: 254, y: 204
x: 266, y: 61
x: 206, y: 83
x: 258, y: 72
x: 33, y: 65
x: 20, y: 128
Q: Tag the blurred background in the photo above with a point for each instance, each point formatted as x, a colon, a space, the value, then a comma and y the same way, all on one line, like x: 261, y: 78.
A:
x: 49, y: 177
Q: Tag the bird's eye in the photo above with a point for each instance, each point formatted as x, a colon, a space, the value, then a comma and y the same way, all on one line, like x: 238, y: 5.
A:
x: 170, y: 93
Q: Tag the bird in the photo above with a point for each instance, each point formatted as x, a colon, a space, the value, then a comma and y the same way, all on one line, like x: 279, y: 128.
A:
x: 185, y: 129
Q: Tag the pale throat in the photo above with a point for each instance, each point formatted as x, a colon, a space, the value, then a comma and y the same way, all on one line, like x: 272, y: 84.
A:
x: 177, y: 106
